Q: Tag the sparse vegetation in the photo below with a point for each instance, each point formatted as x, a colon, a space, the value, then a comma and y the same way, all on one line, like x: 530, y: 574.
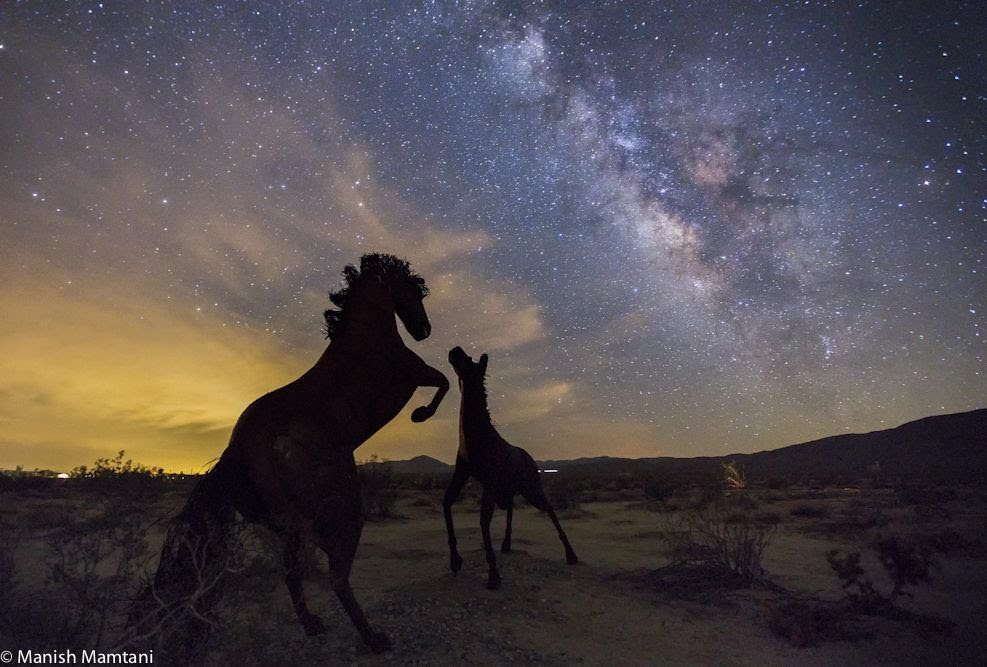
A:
x: 659, y: 488
x: 734, y: 476
x: 725, y: 538
x: 377, y: 488
x: 907, y: 564
x: 564, y: 493
x: 810, y: 511
x: 91, y: 561
x: 810, y: 622
x: 87, y: 535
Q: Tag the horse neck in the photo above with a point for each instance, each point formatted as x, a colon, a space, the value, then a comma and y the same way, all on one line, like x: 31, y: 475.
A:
x: 369, y: 326
x: 474, y: 416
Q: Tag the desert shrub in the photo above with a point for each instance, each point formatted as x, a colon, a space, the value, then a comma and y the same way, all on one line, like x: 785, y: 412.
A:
x: 743, y: 501
x: 767, y: 518
x: 423, y: 501
x: 807, y: 623
x: 924, y: 495
x: 810, y: 511
x: 706, y: 495
x: 777, y: 484
x: 91, y: 563
x: 851, y: 524
x: 733, y: 476
x: 9, y: 540
x: 426, y: 481
x: 562, y: 492
x: 118, y: 476
x: 725, y: 539
x: 949, y: 541
x: 18, y: 480
x: 178, y: 614
x: 930, y: 503
x: 659, y: 488
x: 907, y: 563
x: 46, y: 515
x: 377, y: 488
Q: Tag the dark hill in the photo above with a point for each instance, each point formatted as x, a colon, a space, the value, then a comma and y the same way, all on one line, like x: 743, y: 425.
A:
x: 421, y: 465
x: 942, y: 448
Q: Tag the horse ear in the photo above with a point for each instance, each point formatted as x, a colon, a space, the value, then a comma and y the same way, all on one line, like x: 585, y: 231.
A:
x: 483, y: 362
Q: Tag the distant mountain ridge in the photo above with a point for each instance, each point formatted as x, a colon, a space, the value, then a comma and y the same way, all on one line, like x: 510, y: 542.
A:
x: 950, y: 447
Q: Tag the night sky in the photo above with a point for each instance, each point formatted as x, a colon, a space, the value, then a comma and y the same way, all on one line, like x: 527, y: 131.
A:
x: 678, y: 228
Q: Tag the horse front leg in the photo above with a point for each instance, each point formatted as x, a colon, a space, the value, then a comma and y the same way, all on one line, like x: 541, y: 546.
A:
x: 430, y: 377
x: 452, y: 493
x: 293, y: 571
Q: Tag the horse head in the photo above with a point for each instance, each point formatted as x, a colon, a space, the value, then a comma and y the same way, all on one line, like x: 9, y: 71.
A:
x: 384, y: 283
x: 408, y: 298
x: 466, y: 369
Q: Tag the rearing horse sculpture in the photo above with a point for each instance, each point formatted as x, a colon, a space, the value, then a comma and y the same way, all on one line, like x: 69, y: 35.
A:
x: 289, y: 464
x: 503, y: 469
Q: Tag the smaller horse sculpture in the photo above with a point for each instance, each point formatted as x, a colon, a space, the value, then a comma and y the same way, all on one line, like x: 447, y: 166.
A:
x: 503, y: 469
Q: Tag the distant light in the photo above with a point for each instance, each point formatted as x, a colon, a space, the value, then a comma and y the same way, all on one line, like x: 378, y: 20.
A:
x: 549, y: 470
x: 62, y: 475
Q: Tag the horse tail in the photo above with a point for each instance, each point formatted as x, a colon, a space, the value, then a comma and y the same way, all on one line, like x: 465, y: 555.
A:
x: 174, y: 608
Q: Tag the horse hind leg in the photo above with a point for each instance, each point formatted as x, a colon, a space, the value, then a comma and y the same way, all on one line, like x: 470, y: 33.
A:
x: 293, y: 571
x: 486, y: 514
x: 340, y: 546
x: 538, y: 499
x: 505, y: 546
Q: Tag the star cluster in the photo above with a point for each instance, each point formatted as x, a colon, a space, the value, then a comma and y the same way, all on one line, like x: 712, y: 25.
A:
x: 678, y: 228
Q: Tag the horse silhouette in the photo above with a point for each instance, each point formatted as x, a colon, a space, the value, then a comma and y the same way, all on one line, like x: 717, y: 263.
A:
x: 289, y: 464
x: 503, y: 469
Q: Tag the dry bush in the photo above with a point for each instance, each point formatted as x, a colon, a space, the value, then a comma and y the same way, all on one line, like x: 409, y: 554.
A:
x: 10, y: 538
x: 810, y: 511
x: 659, y: 488
x: 809, y: 622
x: 177, y: 616
x: 733, y: 476
x: 91, y: 564
x: 565, y: 494
x: 724, y: 539
x: 19, y: 481
x: 377, y: 488
x: 907, y: 563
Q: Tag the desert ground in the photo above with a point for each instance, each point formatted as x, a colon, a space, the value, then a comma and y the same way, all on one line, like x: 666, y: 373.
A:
x: 641, y: 593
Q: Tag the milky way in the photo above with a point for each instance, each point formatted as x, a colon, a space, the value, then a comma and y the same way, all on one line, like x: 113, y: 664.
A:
x: 678, y: 228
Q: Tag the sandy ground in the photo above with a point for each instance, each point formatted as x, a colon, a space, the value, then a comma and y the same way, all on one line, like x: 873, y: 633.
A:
x: 609, y: 608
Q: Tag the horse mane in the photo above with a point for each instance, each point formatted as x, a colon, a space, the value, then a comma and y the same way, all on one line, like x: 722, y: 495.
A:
x: 485, y: 402
x: 388, y: 267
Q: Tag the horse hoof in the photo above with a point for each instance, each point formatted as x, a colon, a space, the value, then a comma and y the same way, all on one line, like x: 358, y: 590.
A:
x: 571, y: 559
x: 493, y: 583
x: 313, y: 625
x: 420, y: 414
x: 379, y: 642
x: 456, y: 563
x: 505, y: 548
